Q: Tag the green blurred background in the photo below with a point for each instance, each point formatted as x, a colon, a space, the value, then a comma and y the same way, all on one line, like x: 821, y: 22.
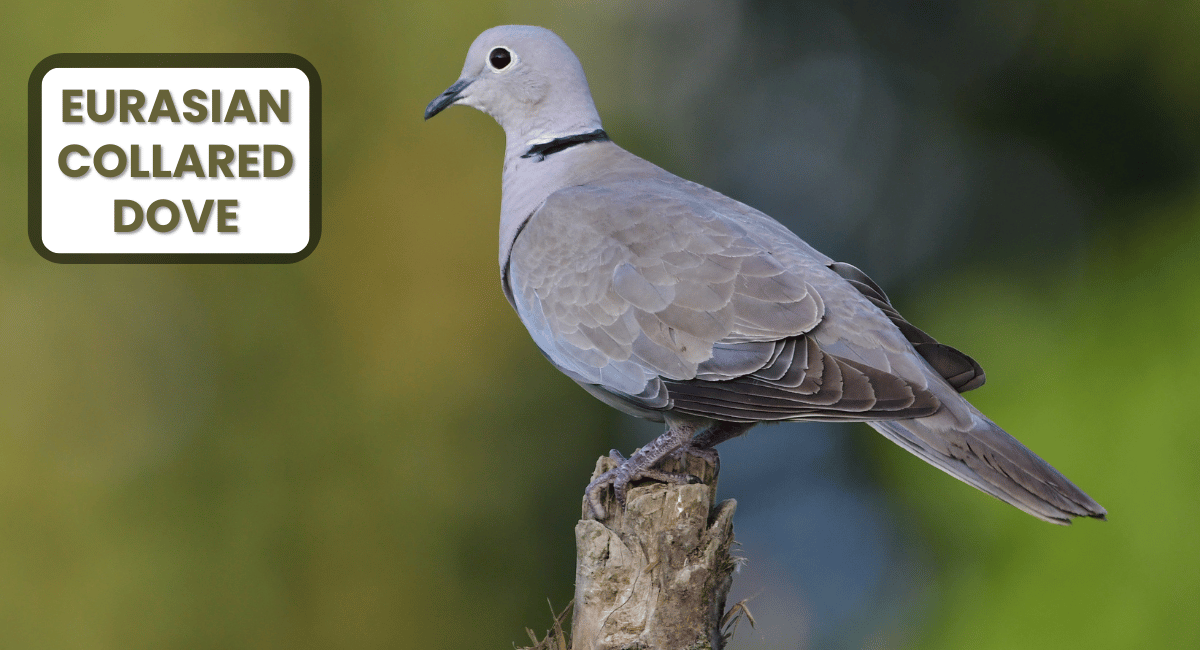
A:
x: 364, y: 450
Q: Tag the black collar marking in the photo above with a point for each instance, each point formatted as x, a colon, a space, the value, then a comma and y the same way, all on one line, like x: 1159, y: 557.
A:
x: 558, y: 144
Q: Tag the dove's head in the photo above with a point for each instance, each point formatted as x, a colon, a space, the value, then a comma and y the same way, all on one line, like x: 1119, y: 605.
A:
x: 528, y: 80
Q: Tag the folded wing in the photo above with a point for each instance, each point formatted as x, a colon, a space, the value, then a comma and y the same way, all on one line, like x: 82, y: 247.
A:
x: 662, y: 299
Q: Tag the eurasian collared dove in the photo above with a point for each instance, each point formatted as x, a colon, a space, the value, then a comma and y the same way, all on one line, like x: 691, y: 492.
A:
x: 675, y: 303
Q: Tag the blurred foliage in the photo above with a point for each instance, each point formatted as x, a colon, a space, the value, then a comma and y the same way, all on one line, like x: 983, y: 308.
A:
x: 1094, y: 368
x: 364, y: 449
x: 1111, y: 91
x: 1091, y: 358
x: 351, y: 451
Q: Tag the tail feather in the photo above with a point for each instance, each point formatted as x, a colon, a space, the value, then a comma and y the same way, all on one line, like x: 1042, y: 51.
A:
x: 978, y: 452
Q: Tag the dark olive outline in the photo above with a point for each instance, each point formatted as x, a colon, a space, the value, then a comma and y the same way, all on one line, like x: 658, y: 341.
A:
x: 123, y: 60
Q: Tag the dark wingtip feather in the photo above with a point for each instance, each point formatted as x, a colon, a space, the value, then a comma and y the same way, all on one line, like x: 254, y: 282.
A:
x: 1096, y: 511
x: 960, y: 370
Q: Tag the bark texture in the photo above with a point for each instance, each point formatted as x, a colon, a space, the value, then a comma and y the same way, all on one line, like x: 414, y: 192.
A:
x: 656, y: 574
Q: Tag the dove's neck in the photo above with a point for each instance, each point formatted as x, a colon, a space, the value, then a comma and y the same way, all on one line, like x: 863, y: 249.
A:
x: 530, y: 178
x: 534, y: 133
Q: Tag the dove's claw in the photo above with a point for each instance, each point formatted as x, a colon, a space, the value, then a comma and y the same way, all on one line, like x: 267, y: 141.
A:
x: 641, y: 466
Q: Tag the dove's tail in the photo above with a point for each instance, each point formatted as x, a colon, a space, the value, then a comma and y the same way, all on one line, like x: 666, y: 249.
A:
x: 973, y: 449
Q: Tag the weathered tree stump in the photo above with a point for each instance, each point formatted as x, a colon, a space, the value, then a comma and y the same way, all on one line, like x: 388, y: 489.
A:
x: 656, y: 574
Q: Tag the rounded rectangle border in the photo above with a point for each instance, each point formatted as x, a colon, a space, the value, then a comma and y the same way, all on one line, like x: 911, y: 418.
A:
x: 161, y: 60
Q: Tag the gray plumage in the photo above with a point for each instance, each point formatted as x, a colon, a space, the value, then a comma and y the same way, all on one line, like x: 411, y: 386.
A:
x: 675, y: 303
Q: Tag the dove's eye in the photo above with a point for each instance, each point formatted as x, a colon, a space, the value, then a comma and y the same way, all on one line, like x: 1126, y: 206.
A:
x: 500, y: 58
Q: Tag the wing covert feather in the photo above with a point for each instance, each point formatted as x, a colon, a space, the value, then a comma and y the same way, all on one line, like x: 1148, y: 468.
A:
x: 725, y: 309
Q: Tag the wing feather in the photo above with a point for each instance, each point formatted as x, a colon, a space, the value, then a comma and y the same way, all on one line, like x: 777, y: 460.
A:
x: 668, y: 303
x: 960, y: 370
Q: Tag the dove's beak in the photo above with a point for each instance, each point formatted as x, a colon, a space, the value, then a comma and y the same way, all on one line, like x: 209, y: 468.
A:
x: 450, y: 96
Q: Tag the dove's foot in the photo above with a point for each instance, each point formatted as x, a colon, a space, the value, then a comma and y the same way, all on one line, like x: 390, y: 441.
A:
x: 641, y: 466
x: 621, y: 476
x: 677, y: 441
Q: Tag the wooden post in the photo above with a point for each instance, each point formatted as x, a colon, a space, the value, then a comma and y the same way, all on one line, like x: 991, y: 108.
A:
x: 655, y: 575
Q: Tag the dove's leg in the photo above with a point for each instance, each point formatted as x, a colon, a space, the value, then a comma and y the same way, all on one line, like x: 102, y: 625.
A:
x: 641, y: 464
x: 703, y: 444
x: 716, y: 434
